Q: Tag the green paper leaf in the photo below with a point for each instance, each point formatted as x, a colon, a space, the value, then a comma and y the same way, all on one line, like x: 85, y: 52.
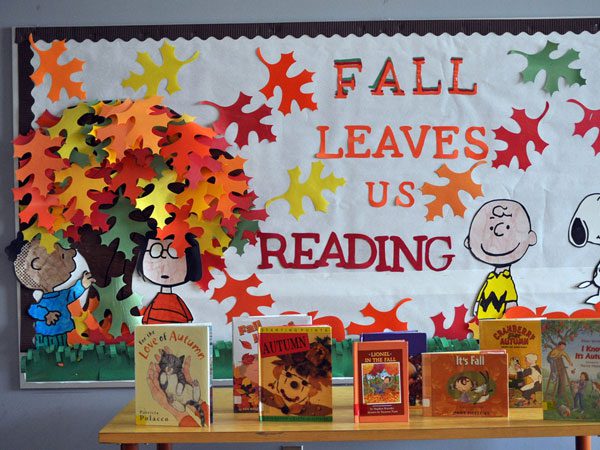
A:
x: 119, y: 309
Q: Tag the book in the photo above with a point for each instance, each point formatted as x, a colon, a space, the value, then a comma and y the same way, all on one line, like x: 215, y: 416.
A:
x: 173, y: 375
x: 522, y: 340
x: 465, y: 384
x: 245, y: 356
x: 571, y: 369
x: 417, y: 345
x: 381, y: 381
x: 295, y: 378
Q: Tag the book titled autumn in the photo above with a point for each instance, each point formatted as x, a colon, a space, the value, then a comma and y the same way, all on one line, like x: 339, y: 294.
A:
x: 173, y: 375
x: 295, y: 378
x: 245, y: 356
x: 522, y: 340
x: 465, y: 384
x: 571, y: 369
x: 381, y: 381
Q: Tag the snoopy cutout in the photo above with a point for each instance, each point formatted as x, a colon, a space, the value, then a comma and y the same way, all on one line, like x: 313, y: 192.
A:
x: 584, y: 228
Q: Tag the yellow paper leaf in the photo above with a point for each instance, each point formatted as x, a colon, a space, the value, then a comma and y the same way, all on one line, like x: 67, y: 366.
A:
x: 159, y: 197
x: 47, y: 240
x: 312, y: 188
x: 79, y: 186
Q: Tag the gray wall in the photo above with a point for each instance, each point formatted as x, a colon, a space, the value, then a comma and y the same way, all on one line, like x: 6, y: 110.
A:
x: 70, y: 419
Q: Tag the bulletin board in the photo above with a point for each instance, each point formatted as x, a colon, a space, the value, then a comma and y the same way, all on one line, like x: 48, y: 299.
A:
x: 375, y: 175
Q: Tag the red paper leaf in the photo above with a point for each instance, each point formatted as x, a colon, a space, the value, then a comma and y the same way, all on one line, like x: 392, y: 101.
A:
x: 244, y: 301
x: 459, y: 329
x: 382, y: 320
x: 246, y: 344
x: 291, y: 88
x: 590, y: 120
x: 39, y: 206
x: 246, y: 121
x: 178, y: 227
x: 180, y: 141
x: 209, y: 261
x: 134, y: 166
x: 516, y: 143
x: 448, y: 194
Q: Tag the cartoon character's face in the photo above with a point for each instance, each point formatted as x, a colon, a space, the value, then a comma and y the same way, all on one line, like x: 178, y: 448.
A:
x: 463, y: 384
x: 37, y: 269
x: 500, y: 233
x: 293, y: 388
x: 585, y: 223
x: 162, y: 265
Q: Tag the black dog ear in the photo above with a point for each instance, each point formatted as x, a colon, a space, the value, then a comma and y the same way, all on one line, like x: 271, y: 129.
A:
x: 578, y: 232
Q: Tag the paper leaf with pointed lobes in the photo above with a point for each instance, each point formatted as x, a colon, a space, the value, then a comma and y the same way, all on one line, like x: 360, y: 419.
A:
x: 382, y: 320
x: 459, y: 329
x: 120, y: 310
x: 244, y: 301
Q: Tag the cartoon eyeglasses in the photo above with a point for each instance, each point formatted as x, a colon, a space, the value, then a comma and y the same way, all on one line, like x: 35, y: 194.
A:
x: 157, y: 251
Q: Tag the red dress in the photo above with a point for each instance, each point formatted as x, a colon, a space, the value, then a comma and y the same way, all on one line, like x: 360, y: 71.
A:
x: 166, y: 308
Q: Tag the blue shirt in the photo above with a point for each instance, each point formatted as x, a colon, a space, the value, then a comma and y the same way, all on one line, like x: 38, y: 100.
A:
x: 56, y: 301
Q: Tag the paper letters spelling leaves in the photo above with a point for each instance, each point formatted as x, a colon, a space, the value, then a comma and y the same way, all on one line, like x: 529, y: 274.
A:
x: 382, y: 320
x: 448, y: 194
x: 246, y: 121
x: 555, y: 68
x: 60, y: 75
x: 312, y: 188
x: 120, y: 310
x: 153, y: 73
x: 590, y: 120
x: 291, y: 87
x: 459, y: 329
x: 516, y: 143
x: 245, y: 302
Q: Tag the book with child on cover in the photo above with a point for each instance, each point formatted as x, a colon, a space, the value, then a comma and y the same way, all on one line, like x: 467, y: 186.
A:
x: 245, y: 355
x: 465, y: 384
x: 571, y: 369
x: 295, y: 375
x: 381, y: 381
x: 522, y: 340
x: 173, y: 375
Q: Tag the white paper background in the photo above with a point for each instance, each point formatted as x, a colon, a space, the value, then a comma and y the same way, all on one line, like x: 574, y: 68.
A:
x: 550, y: 189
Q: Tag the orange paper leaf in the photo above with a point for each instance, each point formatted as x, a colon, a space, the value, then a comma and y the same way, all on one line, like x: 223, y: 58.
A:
x: 244, y: 301
x: 382, y: 320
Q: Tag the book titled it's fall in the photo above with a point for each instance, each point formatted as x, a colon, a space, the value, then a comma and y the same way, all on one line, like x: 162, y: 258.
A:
x: 295, y: 375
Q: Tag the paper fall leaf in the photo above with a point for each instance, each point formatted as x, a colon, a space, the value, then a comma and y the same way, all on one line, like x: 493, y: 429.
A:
x: 554, y: 68
x: 382, y: 320
x: 120, y: 310
x: 590, y: 120
x: 516, y: 143
x: 153, y: 73
x: 448, y: 194
x: 60, y: 75
x: 244, y: 301
x: 291, y: 87
x: 247, y: 122
x: 522, y: 312
x: 312, y: 188
x: 459, y: 329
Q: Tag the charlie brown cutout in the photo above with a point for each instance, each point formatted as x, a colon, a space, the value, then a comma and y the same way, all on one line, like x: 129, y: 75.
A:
x: 39, y: 270
x: 500, y: 235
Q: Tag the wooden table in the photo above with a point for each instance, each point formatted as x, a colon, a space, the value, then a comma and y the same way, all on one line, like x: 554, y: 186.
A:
x: 228, y: 427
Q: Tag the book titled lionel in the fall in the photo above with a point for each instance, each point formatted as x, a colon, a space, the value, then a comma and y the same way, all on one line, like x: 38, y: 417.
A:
x: 465, y: 384
x: 173, y: 375
x: 295, y: 375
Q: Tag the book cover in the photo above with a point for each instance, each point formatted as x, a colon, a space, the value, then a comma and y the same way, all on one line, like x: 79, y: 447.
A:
x: 381, y: 381
x: 417, y: 345
x: 173, y: 375
x: 295, y: 378
x: 465, y: 384
x: 245, y: 356
x: 522, y: 340
x: 571, y: 369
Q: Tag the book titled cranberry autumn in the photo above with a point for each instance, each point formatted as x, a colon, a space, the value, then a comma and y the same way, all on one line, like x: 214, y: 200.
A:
x: 465, y: 384
x: 295, y: 378
x: 381, y: 381
x: 245, y: 356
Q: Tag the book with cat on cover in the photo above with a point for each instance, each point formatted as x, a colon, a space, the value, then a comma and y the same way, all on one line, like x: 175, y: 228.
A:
x: 245, y: 355
x: 571, y: 369
x: 522, y: 340
x: 465, y: 384
x: 295, y: 378
x: 417, y: 345
x: 381, y: 381
x: 173, y: 375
